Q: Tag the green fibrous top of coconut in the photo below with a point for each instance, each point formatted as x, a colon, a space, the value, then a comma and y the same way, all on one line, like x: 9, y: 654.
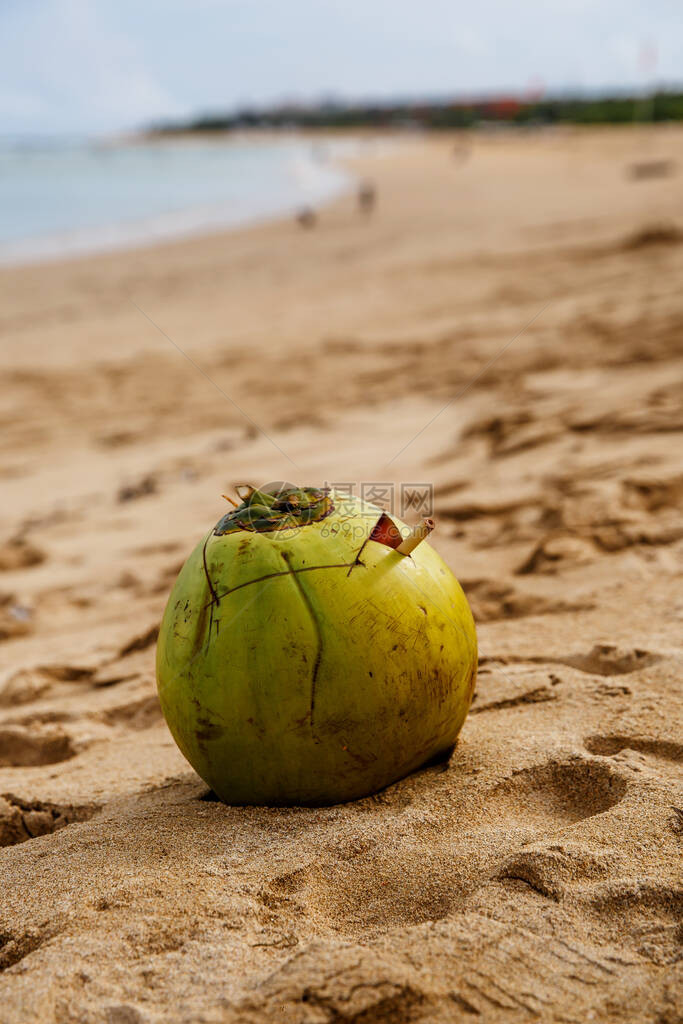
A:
x: 281, y: 507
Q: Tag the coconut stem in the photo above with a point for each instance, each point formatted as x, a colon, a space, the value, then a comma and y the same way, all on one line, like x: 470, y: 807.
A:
x: 418, y: 533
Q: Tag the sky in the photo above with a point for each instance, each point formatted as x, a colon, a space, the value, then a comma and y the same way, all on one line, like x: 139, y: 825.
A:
x: 102, y: 66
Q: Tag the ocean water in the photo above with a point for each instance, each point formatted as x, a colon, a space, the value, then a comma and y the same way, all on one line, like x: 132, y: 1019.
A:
x: 62, y: 199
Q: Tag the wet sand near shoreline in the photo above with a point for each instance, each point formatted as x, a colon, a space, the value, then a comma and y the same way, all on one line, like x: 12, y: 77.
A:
x: 506, y: 326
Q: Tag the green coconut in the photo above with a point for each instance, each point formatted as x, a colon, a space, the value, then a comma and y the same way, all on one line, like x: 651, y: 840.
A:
x: 302, y: 659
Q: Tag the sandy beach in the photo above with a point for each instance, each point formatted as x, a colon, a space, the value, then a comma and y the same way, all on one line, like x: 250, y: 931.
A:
x: 506, y: 327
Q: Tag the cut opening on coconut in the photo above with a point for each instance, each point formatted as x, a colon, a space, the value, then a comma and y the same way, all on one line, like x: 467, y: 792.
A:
x: 385, y: 531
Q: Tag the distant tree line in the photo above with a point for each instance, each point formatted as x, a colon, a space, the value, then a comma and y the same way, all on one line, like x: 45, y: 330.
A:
x: 441, y: 114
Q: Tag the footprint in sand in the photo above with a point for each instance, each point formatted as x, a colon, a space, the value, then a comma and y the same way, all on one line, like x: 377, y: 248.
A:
x: 131, y: 659
x: 557, y: 794
x: 645, y: 912
x: 16, y: 619
x: 610, y: 660
x: 138, y: 713
x: 21, y: 820
x: 550, y: 868
x: 383, y: 881
x: 15, y: 946
x: 19, y: 553
x: 491, y: 601
x: 653, y: 492
x: 29, y: 684
x: 23, y: 747
x: 515, y: 431
x: 554, y: 554
x: 609, y: 746
x: 141, y: 641
x: 141, y: 488
x: 601, y: 660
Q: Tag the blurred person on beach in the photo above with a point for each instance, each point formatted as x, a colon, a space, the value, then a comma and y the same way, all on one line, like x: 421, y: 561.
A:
x: 367, y: 196
x: 306, y: 217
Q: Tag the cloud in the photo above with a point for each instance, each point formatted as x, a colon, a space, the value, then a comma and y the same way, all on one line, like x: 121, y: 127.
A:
x: 15, y: 105
x: 84, y: 74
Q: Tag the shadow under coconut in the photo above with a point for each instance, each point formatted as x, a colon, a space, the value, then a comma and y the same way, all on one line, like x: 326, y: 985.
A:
x: 440, y: 760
